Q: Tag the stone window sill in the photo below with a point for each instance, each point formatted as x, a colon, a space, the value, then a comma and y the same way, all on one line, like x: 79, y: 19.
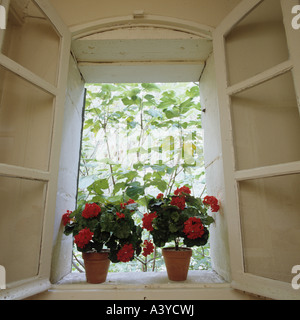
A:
x: 141, y: 280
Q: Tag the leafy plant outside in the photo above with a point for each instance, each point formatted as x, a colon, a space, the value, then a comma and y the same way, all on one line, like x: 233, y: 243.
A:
x: 140, y: 140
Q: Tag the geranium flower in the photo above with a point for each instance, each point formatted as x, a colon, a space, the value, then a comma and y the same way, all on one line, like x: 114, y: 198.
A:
x: 66, y: 217
x: 120, y: 215
x: 215, y: 208
x: 160, y: 195
x: 178, y: 202
x: 124, y: 204
x: 148, y: 248
x: 147, y: 221
x: 181, y: 191
x: 91, y: 210
x: 193, y: 228
x: 126, y: 253
x: 83, y: 237
x: 212, y: 202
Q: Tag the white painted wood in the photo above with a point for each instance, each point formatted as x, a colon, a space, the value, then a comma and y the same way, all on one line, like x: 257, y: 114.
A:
x: 27, y: 75
x: 101, y: 25
x: 260, y: 78
x: 270, y: 171
x: 141, y: 72
x: 200, y: 285
x: 265, y: 287
x: 48, y: 226
x: 138, y: 32
x: 241, y: 280
x: 230, y: 203
x: 142, y: 50
x: 29, y: 287
x: 237, y: 14
x: 53, y: 17
x: 23, y: 290
x: 24, y: 173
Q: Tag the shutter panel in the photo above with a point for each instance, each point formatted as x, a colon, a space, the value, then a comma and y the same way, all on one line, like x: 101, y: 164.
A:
x: 33, y: 70
x: 258, y: 71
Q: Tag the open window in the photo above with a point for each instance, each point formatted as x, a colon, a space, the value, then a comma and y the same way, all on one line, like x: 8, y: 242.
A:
x: 105, y: 57
x: 258, y: 70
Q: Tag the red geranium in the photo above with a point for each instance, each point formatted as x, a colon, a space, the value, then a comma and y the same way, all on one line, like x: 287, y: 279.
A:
x: 160, y: 195
x: 215, y: 208
x: 210, y: 200
x: 147, y: 221
x: 178, y: 202
x: 213, y: 202
x: 126, y: 253
x: 66, y: 217
x: 91, y: 210
x: 148, y: 248
x: 124, y: 204
x: 83, y: 237
x: 193, y: 228
x: 120, y: 215
x: 181, y: 191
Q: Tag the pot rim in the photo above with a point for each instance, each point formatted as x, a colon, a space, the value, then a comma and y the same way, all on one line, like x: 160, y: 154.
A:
x: 181, y: 249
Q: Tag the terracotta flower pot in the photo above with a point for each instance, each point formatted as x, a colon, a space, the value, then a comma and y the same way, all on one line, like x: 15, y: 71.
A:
x: 96, y: 266
x: 177, y: 262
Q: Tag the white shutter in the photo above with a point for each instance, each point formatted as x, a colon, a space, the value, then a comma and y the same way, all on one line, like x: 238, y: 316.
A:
x: 33, y: 84
x: 257, y: 64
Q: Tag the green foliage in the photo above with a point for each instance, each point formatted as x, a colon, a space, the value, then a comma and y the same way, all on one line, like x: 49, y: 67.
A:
x: 170, y: 220
x: 139, y: 140
x: 109, y: 230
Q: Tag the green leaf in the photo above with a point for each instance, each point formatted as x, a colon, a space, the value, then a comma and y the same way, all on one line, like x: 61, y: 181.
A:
x: 135, y: 190
x: 118, y: 186
x: 193, y: 92
x: 99, y: 185
x: 107, y: 161
x: 160, y: 184
x: 150, y: 87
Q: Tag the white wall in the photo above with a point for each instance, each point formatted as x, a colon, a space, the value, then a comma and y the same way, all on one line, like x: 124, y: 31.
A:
x: 214, y: 168
x: 68, y: 171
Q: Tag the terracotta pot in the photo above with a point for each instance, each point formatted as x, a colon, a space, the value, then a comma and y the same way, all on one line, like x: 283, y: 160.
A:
x: 96, y: 266
x: 177, y: 262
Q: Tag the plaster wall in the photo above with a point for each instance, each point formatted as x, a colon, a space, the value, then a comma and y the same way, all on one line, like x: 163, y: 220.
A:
x: 68, y: 171
x: 214, y: 168
x: 210, y: 13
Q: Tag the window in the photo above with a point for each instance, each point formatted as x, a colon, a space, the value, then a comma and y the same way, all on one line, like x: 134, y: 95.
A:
x: 141, y: 140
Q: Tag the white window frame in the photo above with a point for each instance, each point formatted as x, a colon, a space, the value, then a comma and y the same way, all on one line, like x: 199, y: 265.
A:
x: 240, y: 279
x: 40, y: 283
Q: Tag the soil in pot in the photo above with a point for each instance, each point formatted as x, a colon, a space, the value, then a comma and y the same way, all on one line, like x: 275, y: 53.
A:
x: 177, y: 262
x: 96, y: 266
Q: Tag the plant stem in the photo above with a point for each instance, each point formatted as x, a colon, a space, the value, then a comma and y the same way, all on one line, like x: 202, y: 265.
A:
x: 109, y: 156
x: 177, y: 244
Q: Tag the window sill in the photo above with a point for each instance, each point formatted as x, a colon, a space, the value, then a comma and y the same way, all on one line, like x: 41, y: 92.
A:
x: 200, y: 285
x: 141, y: 280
